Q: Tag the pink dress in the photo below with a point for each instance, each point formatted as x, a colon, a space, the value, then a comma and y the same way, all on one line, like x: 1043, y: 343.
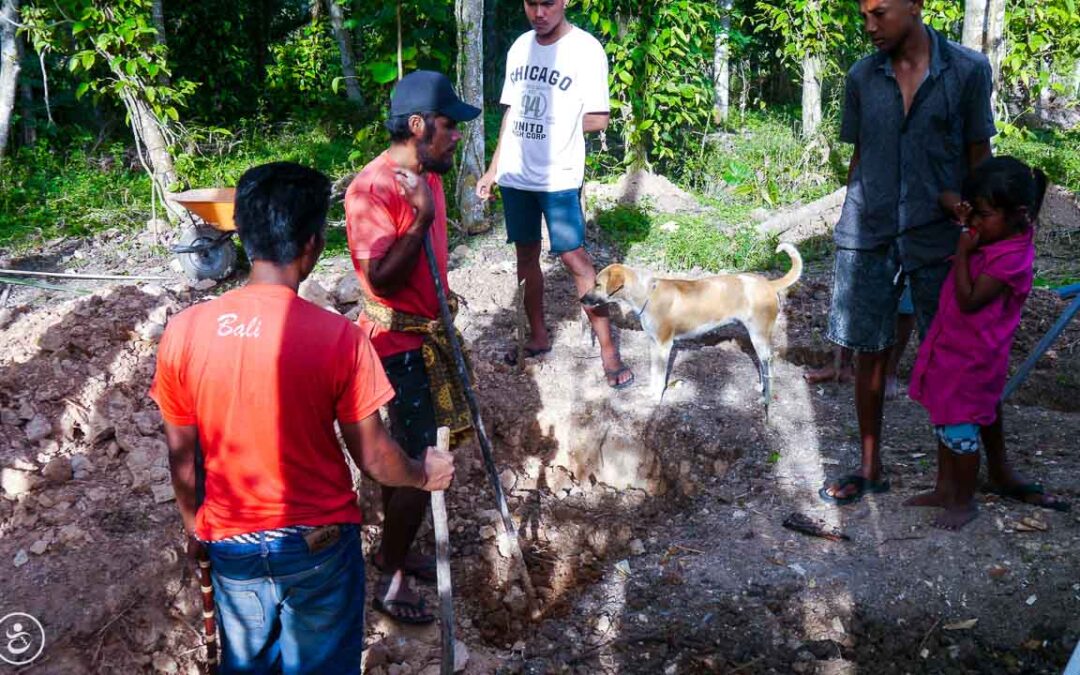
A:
x: 963, y: 363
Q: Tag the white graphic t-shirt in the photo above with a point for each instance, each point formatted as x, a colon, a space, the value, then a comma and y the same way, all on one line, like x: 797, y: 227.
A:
x: 549, y: 88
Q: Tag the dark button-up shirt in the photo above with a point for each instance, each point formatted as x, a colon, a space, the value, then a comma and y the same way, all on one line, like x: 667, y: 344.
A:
x: 905, y: 163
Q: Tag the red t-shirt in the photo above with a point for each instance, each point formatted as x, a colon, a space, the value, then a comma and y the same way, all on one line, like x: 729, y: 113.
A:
x: 376, y: 215
x: 263, y: 375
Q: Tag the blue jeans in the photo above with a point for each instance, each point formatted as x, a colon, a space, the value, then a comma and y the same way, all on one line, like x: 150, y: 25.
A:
x: 283, y: 609
x: 561, y: 210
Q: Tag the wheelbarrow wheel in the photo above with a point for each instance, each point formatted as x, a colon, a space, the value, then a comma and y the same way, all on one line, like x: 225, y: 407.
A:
x: 214, y: 260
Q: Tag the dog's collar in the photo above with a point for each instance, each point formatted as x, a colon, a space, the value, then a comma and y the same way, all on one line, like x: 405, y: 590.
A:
x: 648, y: 296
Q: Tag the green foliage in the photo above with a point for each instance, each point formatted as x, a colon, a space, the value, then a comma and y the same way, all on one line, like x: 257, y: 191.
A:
x: 1055, y: 152
x: 660, y: 56
x: 111, y: 47
x: 1043, y: 37
x: 945, y: 16
x: 427, y: 39
x: 819, y: 27
x: 45, y: 194
x: 303, y: 66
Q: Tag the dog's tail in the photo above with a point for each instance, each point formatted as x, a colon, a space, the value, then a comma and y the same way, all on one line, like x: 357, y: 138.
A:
x: 794, y: 273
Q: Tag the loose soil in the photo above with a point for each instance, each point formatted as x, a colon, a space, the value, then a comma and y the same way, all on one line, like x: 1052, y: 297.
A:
x: 653, y: 532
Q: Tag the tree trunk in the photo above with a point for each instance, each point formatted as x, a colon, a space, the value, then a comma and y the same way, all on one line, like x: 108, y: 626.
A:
x: 975, y: 23
x: 348, y: 59
x: 995, y: 41
x: 157, y: 11
x: 722, y: 65
x: 811, y: 95
x: 470, y: 70
x: 153, y: 149
x: 26, y: 92
x: 10, y: 62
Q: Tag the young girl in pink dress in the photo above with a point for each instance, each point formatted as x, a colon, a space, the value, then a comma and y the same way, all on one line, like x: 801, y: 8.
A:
x: 963, y: 363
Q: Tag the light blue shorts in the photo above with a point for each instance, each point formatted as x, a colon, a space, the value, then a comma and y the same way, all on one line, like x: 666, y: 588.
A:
x: 961, y: 439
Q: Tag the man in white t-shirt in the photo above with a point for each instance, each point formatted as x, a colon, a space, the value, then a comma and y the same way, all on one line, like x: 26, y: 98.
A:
x: 555, y: 91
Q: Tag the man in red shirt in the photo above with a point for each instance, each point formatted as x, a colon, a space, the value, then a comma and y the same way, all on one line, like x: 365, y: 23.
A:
x: 253, y: 382
x: 391, y: 206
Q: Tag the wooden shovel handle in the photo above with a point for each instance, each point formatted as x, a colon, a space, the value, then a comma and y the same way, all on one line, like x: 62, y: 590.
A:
x: 442, y: 566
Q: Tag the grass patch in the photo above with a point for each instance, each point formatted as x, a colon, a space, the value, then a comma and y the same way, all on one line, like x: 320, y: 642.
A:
x: 684, y: 243
x: 45, y: 194
x: 766, y: 164
x: 1055, y: 152
x: 79, y: 189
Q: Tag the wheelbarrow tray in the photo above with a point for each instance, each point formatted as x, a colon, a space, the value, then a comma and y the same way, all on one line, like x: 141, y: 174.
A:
x: 213, y: 205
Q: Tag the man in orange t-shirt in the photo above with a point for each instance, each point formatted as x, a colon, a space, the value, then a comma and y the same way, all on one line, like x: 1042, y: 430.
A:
x: 390, y: 207
x: 254, y: 382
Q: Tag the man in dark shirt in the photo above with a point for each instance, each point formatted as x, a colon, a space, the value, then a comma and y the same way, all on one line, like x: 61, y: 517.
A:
x: 918, y: 112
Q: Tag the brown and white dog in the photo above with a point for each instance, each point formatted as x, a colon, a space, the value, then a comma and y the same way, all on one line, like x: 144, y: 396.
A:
x: 670, y: 309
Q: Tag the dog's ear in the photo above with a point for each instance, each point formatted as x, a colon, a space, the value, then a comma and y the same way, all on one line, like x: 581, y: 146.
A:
x: 616, y: 279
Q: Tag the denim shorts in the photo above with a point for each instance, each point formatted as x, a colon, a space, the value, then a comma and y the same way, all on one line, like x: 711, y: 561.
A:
x: 412, y: 414
x: 906, y: 305
x: 285, y: 609
x: 867, y: 287
x: 961, y: 439
x: 561, y: 210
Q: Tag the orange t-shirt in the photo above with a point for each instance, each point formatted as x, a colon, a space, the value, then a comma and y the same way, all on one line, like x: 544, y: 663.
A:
x: 263, y: 374
x: 375, y: 216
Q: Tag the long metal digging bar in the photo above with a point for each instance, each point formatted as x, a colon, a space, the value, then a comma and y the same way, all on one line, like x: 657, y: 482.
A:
x: 478, y: 422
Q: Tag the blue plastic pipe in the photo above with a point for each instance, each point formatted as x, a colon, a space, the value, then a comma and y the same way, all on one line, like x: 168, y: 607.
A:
x: 1029, y: 364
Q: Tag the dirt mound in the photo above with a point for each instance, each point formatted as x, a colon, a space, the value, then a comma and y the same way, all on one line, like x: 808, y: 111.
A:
x: 644, y: 189
x: 86, y: 523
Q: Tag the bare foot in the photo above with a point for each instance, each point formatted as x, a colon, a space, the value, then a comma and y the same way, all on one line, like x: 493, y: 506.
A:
x: 829, y: 374
x: 957, y: 516
x: 932, y: 498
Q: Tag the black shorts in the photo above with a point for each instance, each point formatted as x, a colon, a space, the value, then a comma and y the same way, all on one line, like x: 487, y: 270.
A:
x: 412, y: 415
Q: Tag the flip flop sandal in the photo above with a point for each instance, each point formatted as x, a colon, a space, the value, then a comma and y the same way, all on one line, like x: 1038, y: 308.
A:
x: 862, y: 487
x: 427, y: 573
x: 511, y: 357
x: 1024, y: 490
x: 614, y: 375
x: 387, y: 608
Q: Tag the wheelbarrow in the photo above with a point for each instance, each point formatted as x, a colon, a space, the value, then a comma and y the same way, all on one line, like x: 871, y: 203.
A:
x: 205, y: 250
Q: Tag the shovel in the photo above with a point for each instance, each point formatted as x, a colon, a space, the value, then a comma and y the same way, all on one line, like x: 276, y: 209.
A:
x: 478, y: 422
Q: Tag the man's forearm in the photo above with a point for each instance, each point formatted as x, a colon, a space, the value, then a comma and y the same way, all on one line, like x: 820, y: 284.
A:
x: 852, y: 164
x: 593, y: 122
x: 392, y: 271
x: 379, y: 456
x: 392, y: 467
x: 183, y: 444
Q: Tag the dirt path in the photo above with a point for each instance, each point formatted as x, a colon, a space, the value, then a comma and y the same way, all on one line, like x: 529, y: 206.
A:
x: 653, y: 533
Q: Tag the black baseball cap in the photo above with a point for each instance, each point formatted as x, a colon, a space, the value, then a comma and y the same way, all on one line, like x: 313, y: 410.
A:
x: 424, y: 91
